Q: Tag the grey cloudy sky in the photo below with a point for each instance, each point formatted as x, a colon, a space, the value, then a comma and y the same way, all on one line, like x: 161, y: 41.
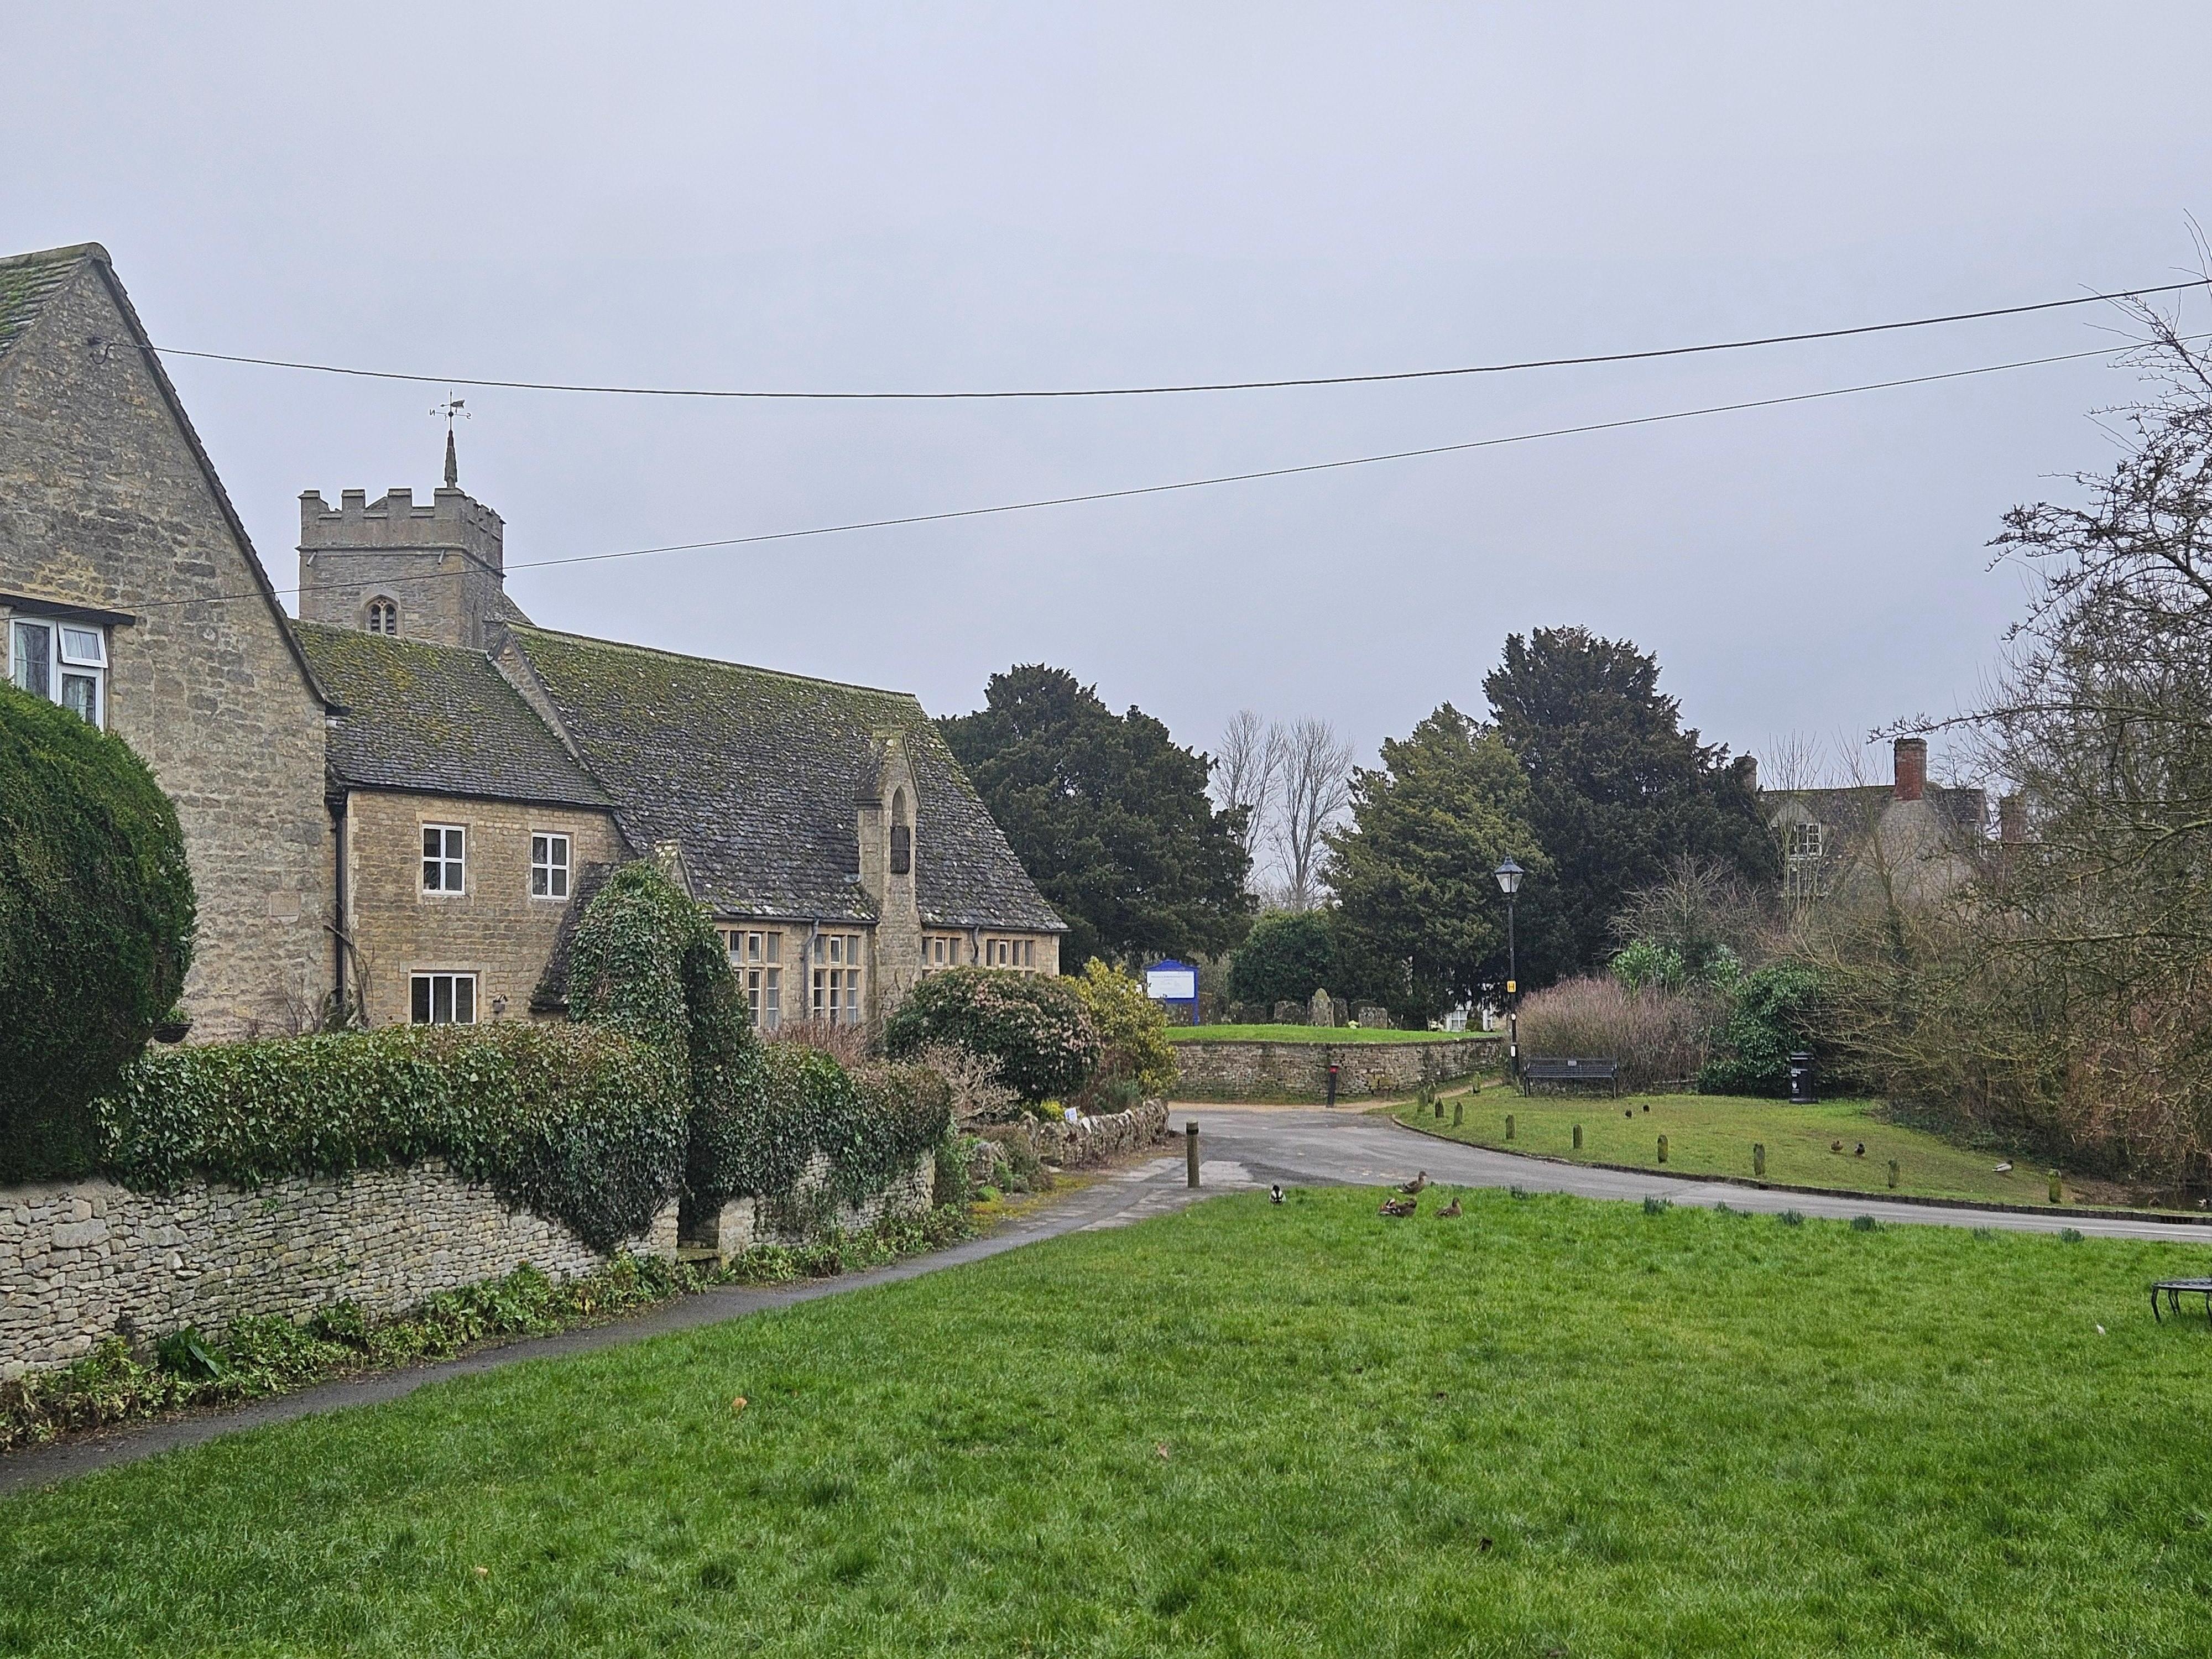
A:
x: 972, y: 196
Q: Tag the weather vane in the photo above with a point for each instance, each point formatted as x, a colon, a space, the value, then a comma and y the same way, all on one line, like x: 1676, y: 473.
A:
x: 453, y: 409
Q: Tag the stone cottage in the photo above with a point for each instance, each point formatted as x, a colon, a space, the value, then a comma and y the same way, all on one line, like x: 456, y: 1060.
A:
x: 1917, y: 840
x: 400, y: 803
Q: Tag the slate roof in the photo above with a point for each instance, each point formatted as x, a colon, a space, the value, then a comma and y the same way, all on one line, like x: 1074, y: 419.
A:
x: 753, y: 773
x: 28, y: 279
x: 1855, y: 807
x: 437, y: 719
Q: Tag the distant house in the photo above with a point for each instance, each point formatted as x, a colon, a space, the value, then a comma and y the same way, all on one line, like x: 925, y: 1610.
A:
x: 401, y: 803
x: 1916, y: 840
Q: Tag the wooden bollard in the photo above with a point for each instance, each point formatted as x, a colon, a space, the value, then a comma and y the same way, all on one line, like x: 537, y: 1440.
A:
x: 1458, y: 1112
x: 1440, y: 1108
x: 1190, y: 1150
x: 1509, y: 1126
x: 2056, y: 1196
x: 1892, y: 1172
x: 1758, y: 1160
x: 1662, y: 1149
x: 1579, y: 1137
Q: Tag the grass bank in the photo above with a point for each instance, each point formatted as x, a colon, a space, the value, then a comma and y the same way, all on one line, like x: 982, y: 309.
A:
x: 1316, y: 1034
x: 1713, y: 1134
x: 1549, y: 1427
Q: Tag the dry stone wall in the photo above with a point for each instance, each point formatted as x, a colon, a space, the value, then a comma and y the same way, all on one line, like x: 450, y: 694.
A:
x: 747, y: 1221
x: 81, y: 1260
x: 1299, y: 1071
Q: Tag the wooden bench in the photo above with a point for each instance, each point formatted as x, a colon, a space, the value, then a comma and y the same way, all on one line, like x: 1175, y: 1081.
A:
x: 2175, y: 1289
x: 1548, y: 1069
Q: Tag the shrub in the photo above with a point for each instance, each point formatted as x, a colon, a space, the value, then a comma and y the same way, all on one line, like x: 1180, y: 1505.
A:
x: 1286, y: 958
x: 1657, y: 1035
x: 580, y: 1125
x: 96, y: 913
x: 1033, y: 1028
x: 977, y: 1095
x: 1133, y: 1037
x: 1025, y: 1170
x: 1777, y: 1011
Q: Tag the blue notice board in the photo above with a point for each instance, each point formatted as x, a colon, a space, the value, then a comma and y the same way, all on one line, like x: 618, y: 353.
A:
x: 1174, y: 982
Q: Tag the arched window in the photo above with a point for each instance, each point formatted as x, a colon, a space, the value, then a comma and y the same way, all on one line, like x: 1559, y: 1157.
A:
x: 383, y: 617
x: 902, y: 837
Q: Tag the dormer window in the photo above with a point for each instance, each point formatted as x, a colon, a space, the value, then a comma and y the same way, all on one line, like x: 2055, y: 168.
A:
x: 383, y: 618
x: 62, y: 662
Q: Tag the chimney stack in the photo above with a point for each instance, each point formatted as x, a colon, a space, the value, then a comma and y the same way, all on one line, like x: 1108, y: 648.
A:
x: 1911, y: 763
x: 2012, y: 819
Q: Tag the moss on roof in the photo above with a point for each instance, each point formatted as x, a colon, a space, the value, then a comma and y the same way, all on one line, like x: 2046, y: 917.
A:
x: 28, y: 280
x: 753, y: 773
x: 437, y: 719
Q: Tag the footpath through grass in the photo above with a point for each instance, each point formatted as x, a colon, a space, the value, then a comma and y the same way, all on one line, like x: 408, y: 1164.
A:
x: 1316, y: 1034
x: 1549, y: 1426
x: 1713, y: 1134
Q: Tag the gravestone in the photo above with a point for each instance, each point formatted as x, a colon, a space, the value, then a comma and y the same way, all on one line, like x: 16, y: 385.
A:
x: 1290, y: 1013
x: 1372, y: 1017
x: 1321, y: 1010
x: 1340, y: 1011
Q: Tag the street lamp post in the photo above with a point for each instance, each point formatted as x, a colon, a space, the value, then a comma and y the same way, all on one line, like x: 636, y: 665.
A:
x: 1508, y: 882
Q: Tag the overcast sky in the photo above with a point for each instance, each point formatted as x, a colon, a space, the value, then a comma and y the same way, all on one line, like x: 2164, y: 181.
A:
x: 903, y: 197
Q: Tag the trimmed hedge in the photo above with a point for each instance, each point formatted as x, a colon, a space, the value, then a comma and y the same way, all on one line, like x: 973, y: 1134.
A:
x: 578, y: 1124
x: 97, y: 917
x: 1033, y: 1028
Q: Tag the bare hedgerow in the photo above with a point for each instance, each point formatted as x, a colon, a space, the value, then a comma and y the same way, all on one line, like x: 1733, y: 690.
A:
x: 978, y: 1097
x: 1658, y: 1036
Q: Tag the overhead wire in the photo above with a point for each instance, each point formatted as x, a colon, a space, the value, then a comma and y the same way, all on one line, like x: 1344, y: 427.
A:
x: 1650, y: 354
x: 1134, y: 491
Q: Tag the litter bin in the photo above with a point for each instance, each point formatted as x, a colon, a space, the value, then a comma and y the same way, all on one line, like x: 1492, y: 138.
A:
x: 1801, y: 1080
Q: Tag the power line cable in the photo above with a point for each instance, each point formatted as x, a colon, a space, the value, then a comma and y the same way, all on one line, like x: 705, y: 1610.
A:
x: 1258, y: 474
x: 1648, y: 355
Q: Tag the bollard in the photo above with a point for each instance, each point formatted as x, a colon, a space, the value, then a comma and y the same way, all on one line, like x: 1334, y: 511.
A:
x: 2055, y: 1196
x: 1332, y: 1083
x: 1758, y: 1160
x: 1509, y: 1126
x: 1662, y: 1149
x: 1440, y: 1108
x: 1892, y: 1172
x: 1579, y: 1137
x: 1190, y: 1149
x: 1458, y: 1112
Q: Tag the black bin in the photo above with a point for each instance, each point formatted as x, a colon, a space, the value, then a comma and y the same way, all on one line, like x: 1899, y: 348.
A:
x: 1801, y: 1080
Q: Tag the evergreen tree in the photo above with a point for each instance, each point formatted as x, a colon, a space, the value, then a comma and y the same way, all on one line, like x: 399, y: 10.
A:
x: 1109, y: 816
x: 1618, y: 790
x: 1421, y: 923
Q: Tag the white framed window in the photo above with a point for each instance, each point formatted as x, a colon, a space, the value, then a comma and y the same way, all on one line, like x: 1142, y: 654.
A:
x: 62, y: 662
x: 445, y: 858
x: 384, y: 616
x: 549, y: 866
x: 837, y: 983
x: 1808, y: 841
x: 443, y: 998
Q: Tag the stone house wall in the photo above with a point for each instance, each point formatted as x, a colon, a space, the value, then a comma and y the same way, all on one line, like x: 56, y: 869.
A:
x: 106, y: 501
x: 1299, y: 1071
x: 82, y: 1260
x: 493, y: 928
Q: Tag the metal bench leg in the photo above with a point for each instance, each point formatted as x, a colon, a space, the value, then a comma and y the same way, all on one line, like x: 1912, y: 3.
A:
x: 2157, y: 1317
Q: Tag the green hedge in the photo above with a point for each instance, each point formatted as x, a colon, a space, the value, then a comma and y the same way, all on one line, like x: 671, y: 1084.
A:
x: 96, y: 915
x: 1033, y: 1028
x: 565, y: 1121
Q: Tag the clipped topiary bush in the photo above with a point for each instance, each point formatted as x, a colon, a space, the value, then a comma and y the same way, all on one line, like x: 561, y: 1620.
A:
x: 580, y: 1125
x: 1035, y: 1029
x: 96, y: 913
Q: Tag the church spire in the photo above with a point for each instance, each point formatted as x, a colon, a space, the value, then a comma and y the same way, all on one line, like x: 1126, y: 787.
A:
x: 453, y: 408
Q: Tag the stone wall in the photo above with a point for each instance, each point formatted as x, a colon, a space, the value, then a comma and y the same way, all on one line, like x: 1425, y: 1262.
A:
x: 1299, y: 1071
x: 106, y: 501
x: 747, y: 1221
x: 81, y: 1259
x: 1096, y: 1139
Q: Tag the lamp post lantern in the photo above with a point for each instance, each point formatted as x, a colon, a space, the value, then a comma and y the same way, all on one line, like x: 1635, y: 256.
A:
x: 1508, y: 882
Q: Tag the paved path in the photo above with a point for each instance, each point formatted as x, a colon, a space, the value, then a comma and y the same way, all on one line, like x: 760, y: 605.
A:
x: 1242, y: 1148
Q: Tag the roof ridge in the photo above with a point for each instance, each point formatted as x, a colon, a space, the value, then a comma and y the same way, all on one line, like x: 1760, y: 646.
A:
x: 715, y: 662
x: 387, y: 641
x: 57, y: 256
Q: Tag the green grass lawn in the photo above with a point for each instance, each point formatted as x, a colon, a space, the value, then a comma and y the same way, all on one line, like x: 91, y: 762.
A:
x: 1713, y: 1134
x: 1315, y: 1034
x: 1550, y: 1426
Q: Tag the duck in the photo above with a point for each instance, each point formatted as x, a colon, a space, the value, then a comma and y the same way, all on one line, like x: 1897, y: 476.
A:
x: 1861, y: 1152
x: 1275, y: 1194
x: 1448, y: 1210
x: 1835, y: 1146
x: 1416, y: 1186
x: 1399, y: 1208
x: 2004, y: 1167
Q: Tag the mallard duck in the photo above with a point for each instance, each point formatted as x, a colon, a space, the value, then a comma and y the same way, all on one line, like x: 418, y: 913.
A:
x: 1859, y: 1152
x: 1835, y: 1146
x: 1448, y: 1210
x: 1275, y: 1194
x: 1418, y: 1185
x: 1399, y: 1208
x: 2004, y: 1167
